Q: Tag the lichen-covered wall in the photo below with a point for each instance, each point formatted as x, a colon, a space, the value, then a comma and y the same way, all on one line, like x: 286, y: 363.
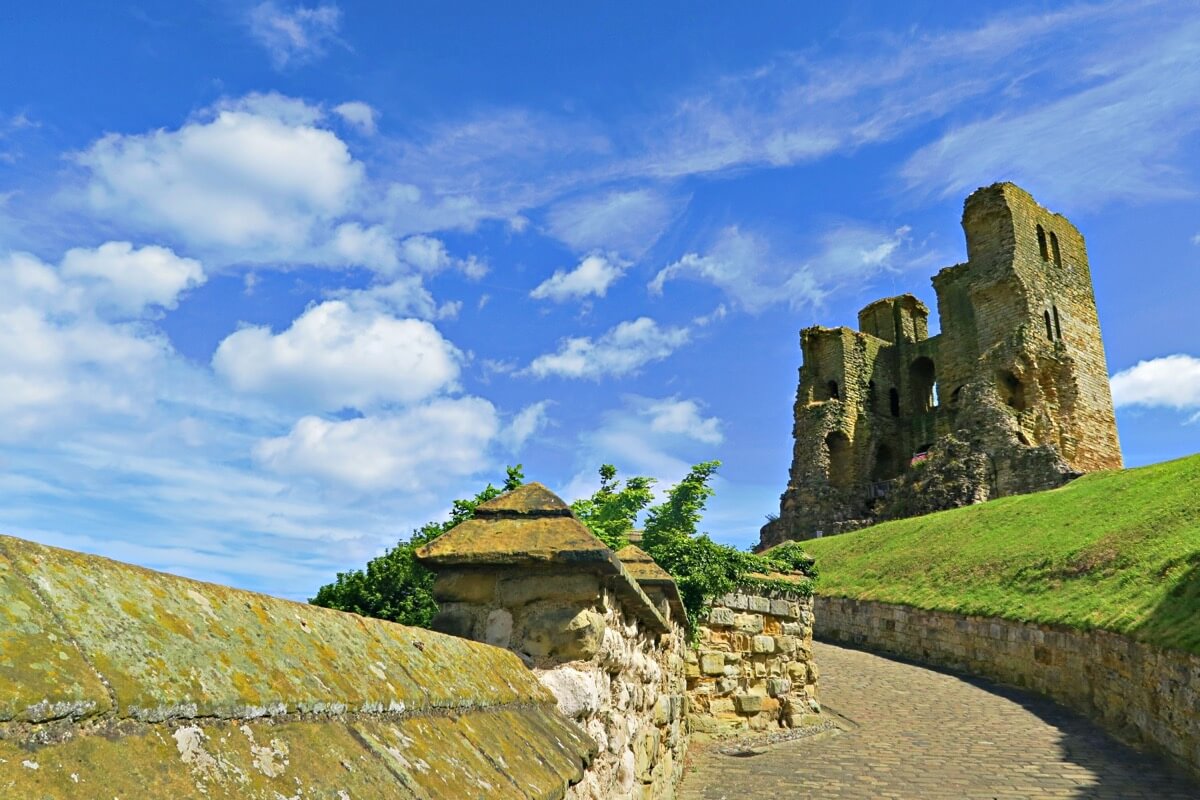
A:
x: 620, y: 679
x: 1142, y: 694
x: 117, y: 681
x: 1016, y: 383
x: 754, y: 668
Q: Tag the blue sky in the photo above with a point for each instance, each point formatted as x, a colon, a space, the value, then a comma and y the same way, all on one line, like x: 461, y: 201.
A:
x: 282, y: 280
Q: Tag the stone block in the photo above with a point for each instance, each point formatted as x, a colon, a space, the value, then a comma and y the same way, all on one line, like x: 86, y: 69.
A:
x: 748, y: 623
x: 456, y: 620
x: 712, y: 663
x: 566, y: 589
x: 662, y: 710
x: 645, y: 754
x: 763, y: 644
x: 722, y: 617
x: 778, y: 686
x: 759, y: 604
x: 747, y: 704
x: 498, y: 628
x: 726, y: 685
x: 721, y: 705
x: 785, y: 644
x: 465, y: 587
x: 783, y: 608
x: 793, y: 629
x: 563, y: 634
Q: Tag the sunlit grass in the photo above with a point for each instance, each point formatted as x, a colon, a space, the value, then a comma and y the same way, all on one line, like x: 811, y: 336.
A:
x: 1114, y: 550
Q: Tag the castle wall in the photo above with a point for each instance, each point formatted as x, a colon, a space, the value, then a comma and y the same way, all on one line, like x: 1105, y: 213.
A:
x: 117, y: 681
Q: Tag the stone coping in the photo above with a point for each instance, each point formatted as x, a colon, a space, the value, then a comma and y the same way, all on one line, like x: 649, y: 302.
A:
x: 126, y: 675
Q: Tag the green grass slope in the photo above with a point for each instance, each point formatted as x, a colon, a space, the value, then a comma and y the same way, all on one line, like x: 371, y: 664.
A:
x: 1113, y: 550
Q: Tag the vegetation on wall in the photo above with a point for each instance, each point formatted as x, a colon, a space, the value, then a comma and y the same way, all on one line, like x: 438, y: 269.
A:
x: 702, y: 568
x: 396, y: 587
x: 1117, y: 550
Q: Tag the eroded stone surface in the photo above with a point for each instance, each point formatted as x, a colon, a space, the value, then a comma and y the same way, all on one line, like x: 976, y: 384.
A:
x: 1012, y: 396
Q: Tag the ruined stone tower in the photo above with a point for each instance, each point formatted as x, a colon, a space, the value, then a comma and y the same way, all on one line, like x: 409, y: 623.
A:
x: 1012, y: 396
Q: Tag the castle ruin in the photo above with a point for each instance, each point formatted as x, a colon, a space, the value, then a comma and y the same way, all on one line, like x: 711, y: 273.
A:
x: 1012, y: 396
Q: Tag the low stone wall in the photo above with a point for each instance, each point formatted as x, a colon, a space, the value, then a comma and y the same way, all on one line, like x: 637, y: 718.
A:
x: 754, y: 668
x: 1142, y: 694
x: 527, y: 576
x: 117, y: 681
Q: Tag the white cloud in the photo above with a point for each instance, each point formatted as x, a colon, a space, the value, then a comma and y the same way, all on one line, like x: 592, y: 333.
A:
x: 409, y: 450
x: 672, y: 415
x: 744, y: 265
x: 595, y: 273
x: 256, y: 177
x: 1168, y: 382
x: 294, y: 35
x: 620, y: 351
x: 71, y: 346
x: 127, y: 279
x: 334, y: 356
x: 358, y: 114
x: 628, y: 222
x: 1196, y: 239
x: 373, y: 247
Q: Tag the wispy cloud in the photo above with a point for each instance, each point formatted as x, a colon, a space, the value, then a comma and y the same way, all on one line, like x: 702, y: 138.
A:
x: 628, y: 222
x: 753, y: 276
x: 1113, y: 137
x: 294, y: 35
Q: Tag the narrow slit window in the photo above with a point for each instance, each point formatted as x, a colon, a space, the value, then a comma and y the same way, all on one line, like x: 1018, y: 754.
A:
x: 1057, y: 326
x: 1042, y: 243
x: 894, y: 402
x: 1049, y: 330
x: 1055, y: 250
x: 833, y: 390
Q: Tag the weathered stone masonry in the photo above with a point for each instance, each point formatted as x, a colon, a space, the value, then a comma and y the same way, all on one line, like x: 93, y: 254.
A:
x: 1012, y: 396
x: 120, y: 682
x: 525, y: 575
x: 754, y: 666
x: 1143, y: 694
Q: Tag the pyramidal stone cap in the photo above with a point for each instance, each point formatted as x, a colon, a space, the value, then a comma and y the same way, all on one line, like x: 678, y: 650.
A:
x: 650, y: 576
x: 528, y: 524
x: 532, y: 526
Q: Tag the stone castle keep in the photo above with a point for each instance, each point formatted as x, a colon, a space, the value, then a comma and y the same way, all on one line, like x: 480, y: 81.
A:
x: 1012, y: 396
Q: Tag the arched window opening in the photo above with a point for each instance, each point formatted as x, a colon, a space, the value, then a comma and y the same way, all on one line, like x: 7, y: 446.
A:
x: 1055, y: 250
x: 1049, y: 330
x: 956, y: 396
x: 921, y: 380
x: 1057, y: 326
x: 1042, y: 243
x: 886, y: 466
x: 894, y: 401
x: 838, y: 447
x: 833, y: 390
x: 1012, y: 391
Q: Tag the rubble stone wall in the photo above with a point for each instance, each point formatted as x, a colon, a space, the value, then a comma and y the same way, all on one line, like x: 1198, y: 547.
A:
x: 593, y: 641
x: 754, y: 668
x: 1143, y: 694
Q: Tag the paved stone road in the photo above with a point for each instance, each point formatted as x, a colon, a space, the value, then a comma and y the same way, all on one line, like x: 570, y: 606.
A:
x: 927, y: 735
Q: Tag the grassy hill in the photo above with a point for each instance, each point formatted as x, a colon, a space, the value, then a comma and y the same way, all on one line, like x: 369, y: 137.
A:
x: 1115, y: 550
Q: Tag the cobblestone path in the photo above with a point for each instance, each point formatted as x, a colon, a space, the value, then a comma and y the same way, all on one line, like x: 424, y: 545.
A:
x: 927, y: 735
